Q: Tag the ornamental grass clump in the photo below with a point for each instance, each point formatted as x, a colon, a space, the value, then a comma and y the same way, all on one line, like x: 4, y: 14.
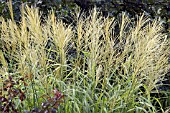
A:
x: 101, y: 64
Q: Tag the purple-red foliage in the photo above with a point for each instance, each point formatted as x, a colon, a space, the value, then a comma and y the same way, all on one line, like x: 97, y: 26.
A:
x: 9, y: 92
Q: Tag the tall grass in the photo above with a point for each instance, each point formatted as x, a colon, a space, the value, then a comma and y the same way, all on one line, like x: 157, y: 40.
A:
x: 102, y: 64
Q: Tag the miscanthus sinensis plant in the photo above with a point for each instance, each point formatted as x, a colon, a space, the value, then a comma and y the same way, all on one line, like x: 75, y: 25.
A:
x: 101, y: 64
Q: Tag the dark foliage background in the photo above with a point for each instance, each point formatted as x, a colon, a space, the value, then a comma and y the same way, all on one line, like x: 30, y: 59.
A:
x: 65, y: 8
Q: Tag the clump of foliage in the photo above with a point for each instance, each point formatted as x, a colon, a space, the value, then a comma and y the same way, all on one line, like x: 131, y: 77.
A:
x: 10, y: 91
x: 51, y: 105
x: 102, y: 64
